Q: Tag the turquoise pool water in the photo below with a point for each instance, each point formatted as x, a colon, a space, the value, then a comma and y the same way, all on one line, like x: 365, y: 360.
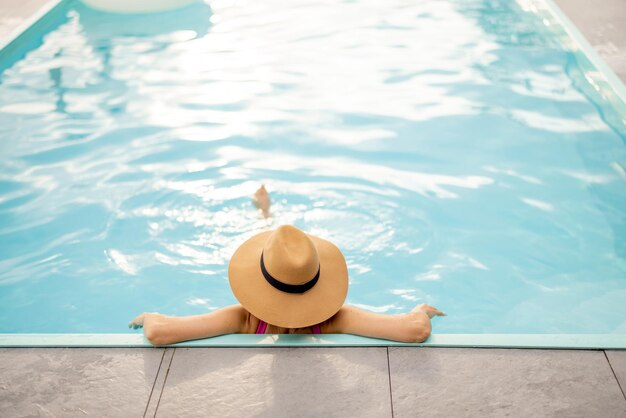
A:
x: 460, y: 153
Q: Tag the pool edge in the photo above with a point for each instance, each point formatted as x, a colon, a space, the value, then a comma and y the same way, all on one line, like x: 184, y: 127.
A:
x: 587, y: 49
x: 31, y: 23
x: 536, y: 341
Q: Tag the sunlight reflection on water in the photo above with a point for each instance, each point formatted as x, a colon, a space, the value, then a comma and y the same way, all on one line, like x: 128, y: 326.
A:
x: 447, y: 148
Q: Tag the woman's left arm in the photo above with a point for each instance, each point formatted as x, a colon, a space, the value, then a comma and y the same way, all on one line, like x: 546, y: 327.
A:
x: 162, y: 329
x: 412, y: 327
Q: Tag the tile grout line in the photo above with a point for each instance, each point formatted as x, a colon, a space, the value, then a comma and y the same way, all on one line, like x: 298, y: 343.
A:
x: 156, y: 377
x: 614, y: 375
x: 167, y: 372
x: 158, y: 388
x: 390, y: 391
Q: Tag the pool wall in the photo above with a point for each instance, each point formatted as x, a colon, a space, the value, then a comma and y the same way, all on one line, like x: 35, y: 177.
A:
x: 569, y: 341
x: 586, y: 50
x: 30, y: 35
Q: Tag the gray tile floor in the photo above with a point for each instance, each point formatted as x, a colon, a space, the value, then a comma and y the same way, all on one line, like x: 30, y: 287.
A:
x: 311, y: 382
x: 301, y: 382
x: 603, y: 23
x: 504, y: 382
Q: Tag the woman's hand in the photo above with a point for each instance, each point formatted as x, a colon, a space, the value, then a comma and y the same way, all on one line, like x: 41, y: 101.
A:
x: 151, y: 322
x: 418, y: 322
x: 431, y: 311
x: 262, y: 201
x: 139, y: 320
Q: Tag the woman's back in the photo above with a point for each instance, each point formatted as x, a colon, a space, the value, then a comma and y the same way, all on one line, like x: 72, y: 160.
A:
x: 257, y: 326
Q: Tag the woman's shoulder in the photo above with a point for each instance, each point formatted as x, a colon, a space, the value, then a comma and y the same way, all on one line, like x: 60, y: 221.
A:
x: 250, y: 322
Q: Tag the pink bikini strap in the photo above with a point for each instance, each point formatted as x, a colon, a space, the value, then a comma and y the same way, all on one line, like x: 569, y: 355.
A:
x: 317, y: 329
x: 260, y: 329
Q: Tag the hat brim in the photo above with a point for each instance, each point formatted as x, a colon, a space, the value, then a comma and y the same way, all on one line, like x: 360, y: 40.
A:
x: 288, y: 310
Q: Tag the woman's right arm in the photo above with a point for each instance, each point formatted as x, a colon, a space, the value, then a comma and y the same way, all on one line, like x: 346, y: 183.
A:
x: 412, y: 327
x: 162, y: 329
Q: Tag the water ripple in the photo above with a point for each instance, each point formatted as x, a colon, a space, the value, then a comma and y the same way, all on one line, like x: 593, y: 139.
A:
x: 453, y: 149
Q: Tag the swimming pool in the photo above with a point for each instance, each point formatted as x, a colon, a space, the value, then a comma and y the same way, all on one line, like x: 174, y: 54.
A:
x: 466, y: 154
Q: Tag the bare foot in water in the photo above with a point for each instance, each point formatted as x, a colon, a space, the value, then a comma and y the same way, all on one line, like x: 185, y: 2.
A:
x: 261, y: 201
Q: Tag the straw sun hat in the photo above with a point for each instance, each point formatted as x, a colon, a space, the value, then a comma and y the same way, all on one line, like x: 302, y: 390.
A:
x: 288, y: 278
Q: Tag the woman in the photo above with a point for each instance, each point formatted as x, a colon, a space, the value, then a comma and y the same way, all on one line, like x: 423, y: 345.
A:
x: 288, y: 282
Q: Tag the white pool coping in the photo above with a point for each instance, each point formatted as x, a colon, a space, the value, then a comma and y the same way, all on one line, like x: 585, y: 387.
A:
x: 562, y: 341
x: 612, y: 79
x: 547, y: 341
x: 30, y: 23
